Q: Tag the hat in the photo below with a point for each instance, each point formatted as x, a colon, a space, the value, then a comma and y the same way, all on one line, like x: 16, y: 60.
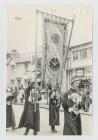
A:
x: 73, y: 86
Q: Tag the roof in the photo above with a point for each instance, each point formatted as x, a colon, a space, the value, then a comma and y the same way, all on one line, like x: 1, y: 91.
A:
x: 85, y: 43
x: 20, y: 58
x: 9, y: 60
x: 23, y: 58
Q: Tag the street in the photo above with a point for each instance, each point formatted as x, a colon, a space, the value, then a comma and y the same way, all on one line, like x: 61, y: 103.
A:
x: 44, y: 123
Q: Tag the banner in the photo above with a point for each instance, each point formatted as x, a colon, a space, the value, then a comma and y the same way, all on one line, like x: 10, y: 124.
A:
x: 55, y: 34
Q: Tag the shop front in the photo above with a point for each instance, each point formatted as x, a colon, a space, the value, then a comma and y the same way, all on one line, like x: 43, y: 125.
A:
x: 83, y: 77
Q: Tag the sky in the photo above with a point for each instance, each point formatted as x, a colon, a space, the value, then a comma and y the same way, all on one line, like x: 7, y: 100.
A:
x: 21, y: 24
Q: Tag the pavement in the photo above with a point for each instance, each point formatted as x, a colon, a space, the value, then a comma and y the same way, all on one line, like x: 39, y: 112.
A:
x: 44, y: 121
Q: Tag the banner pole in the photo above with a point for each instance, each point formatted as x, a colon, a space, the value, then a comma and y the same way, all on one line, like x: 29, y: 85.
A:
x: 36, y: 22
x: 69, y: 40
x: 36, y: 46
x: 68, y: 45
x: 43, y: 47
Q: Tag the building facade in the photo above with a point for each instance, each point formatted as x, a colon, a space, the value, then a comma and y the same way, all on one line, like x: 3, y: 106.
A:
x: 21, y: 68
x: 79, y: 63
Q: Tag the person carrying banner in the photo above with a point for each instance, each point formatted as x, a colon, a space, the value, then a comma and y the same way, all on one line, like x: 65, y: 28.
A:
x: 31, y: 114
x: 72, y: 124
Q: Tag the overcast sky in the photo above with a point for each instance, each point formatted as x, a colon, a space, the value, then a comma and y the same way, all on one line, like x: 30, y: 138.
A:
x: 21, y: 31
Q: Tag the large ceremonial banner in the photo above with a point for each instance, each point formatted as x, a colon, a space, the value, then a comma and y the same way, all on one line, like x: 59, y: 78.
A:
x: 55, y: 34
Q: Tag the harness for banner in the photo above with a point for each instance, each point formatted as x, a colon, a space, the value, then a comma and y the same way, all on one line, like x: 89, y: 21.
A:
x: 75, y: 111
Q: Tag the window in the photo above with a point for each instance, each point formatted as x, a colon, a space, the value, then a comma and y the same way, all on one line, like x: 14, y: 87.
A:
x: 89, y: 52
x: 12, y: 68
x: 26, y: 67
x: 76, y: 55
x: 25, y: 82
x: 18, y: 82
x: 12, y: 82
x: 83, y: 53
x: 38, y: 62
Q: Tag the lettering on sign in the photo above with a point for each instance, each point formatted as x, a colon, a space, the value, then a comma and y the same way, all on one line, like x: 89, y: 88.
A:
x: 79, y: 72
x: 88, y: 72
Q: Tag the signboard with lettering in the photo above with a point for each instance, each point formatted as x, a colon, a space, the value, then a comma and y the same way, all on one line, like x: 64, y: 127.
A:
x: 88, y: 72
x: 79, y: 72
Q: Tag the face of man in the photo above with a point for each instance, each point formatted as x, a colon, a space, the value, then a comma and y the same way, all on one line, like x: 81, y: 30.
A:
x: 56, y: 92
x: 86, y: 90
x: 32, y: 90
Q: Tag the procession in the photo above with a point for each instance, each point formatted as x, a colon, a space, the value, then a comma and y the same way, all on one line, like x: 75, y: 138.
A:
x: 49, y: 92
x: 72, y: 102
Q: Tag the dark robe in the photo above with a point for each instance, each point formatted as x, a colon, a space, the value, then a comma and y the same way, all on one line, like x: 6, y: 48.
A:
x: 30, y: 118
x: 86, y: 101
x: 53, y: 112
x: 71, y: 127
x: 10, y: 118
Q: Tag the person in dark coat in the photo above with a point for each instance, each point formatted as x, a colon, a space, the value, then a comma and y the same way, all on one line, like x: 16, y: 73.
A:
x: 31, y: 114
x: 10, y: 117
x: 54, y: 105
x: 86, y: 100
x: 15, y: 93
x: 72, y: 122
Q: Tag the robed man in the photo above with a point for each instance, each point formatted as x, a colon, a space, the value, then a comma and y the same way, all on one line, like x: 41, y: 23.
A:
x: 72, y: 122
x: 31, y: 114
x: 54, y: 105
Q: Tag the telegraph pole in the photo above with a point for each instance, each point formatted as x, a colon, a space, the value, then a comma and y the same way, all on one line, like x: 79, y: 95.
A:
x: 36, y: 28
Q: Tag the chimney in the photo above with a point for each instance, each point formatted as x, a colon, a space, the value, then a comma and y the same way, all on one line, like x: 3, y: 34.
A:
x: 14, y: 53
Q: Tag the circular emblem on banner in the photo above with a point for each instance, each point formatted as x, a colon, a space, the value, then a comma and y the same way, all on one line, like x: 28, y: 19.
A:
x: 55, y: 38
x: 54, y: 64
